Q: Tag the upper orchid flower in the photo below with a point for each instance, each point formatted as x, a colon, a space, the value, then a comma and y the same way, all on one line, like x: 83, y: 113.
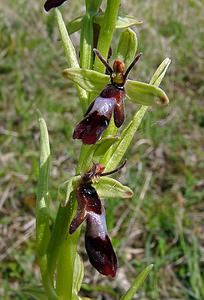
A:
x: 90, y: 208
x: 110, y: 101
x: 49, y: 4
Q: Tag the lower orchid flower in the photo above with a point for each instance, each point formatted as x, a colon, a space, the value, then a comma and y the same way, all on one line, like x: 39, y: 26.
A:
x: 97, y: 242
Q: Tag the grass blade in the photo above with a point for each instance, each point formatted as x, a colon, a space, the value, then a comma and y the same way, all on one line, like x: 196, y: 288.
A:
x: 137, y: 283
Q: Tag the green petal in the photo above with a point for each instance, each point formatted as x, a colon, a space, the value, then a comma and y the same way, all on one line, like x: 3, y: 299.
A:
x: 137, y: 283
x: 127, y: 46
x: 89, y: 80
x: 145, y: 94
x: 111, y: 188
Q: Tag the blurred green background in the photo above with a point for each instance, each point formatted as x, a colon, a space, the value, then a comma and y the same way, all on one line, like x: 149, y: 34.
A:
x: 164, y: 222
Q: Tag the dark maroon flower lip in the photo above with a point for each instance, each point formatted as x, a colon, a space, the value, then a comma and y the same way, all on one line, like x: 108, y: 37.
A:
x: 90, y: 129
x: 98, y: 115
x: 49, y: 4
x: 98, y: 246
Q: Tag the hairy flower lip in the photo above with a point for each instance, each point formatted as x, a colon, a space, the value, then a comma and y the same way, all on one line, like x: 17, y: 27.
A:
x: 49, y: 4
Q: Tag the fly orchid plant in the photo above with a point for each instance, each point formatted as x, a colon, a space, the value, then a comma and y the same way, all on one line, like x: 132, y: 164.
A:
x: 101, y: 90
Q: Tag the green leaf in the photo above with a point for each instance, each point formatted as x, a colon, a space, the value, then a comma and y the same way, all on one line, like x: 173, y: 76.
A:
x: 160, y: 72
x: 127, y: 46
x: 111, y: 188
x: 66, y: 188
x: 78, y: 275
x: 42, y: 204
x: 74, y: 25
x: 70, y: 55
x: 104, y: 144
x: 66, y: 41
x: 126, y: 137
x: 123, y: 21
x: 145, y: 94
x: 106, y: 32
x: 89, y: 80
x: 34, y: 292
x: 137, y: 283
x: 92, y: 152
x: 86, y: 157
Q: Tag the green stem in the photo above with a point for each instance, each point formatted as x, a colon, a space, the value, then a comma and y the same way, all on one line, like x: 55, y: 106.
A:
x: 67, y: 255
x: 86, y: 39
x: 106, y: 32
x: 105, y: 37
x: 104, y: 41
x: 86, y: 42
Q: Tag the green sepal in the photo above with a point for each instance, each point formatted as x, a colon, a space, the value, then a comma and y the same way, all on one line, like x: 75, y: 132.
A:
x: 145, y: 94
x: 110, y: 188
x: 123, y: 21
x: 66, y: 188
x: 89, y: 80
x: 78, y: 275
x: 160, y: 72
x: 127, y: 46
x: 137, y: 283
